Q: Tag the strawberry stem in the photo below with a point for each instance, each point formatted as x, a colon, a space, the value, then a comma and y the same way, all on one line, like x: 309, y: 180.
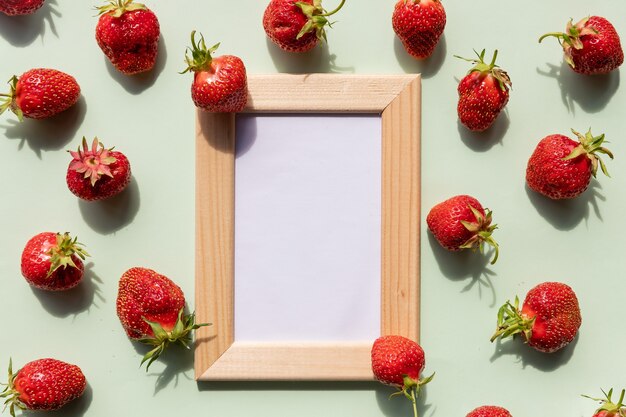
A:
x: 336, y: 9
x: 11, y: 394
x: 608, y: 406
x: 590, y: 146
x: 511, y: 322
x: 9, y: 101
x: 489, y: 69
x: 61, y: 254
x: 317, y: 18
x: 201, y: 58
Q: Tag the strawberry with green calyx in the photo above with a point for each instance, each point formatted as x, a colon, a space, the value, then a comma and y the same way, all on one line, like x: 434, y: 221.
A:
x: 561, y: 168
x: 297, y: 26
x: 483, y: 93
x: 591, y: 46
x: 608, y: 408
x: 53, y: 261
x: 220, y: 84
x: 399, y: 361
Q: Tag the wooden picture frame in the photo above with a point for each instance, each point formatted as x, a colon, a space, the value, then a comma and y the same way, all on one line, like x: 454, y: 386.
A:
x: 397, y: 99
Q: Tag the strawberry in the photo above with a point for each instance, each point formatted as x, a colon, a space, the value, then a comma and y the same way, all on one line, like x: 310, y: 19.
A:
x: 97, y: 173
x: 549, y: 318
x: 43, y: 384
x: 297, y: 26
x: 220, y: 84
x: 53, y: 261
x: 562, y: 168
x: 40, y: 93
x: 489, y: 411
x: 461, y: 222
x: 608, y: 408
x: 20, y: 7
x: 419, y: 24
x: 483, y: 93
x: 591, y: 46
x: 128, y: 34
x: 151, y: 307
x: 399, y: 361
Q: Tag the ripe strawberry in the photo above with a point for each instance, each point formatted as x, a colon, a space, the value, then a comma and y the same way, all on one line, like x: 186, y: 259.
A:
x: 151, y: 309
x: 43, y: 384
x: 53, y: 261
x: 489, y: 411
x: 591, y: 46
x: 40, y: 93
x: 128, y: 34
x: 549, y: 318
x: 608, y: 408
x: 297, y: 26
x: 461, y: 222
x: 483, y: 93
x: 562, y: 168
x: 97, y: 173
x: 220, y: 84
x: 419, y: 24
x: 399, y: 361
x: 20, y: 7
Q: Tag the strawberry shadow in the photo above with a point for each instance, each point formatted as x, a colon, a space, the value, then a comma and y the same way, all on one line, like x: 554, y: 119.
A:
x: 317, y: 60
x: 112, y: 214
x: 526, y: 355
x: 138, y: 83
x: 483, y: 141
x: 21, y: 31
x: 399, y: 405
x: 50, y: 134
x: 426, y: 67
x: 75, y: 301
x: 567, y: 214
x: 76, y: 408
x: 591, y: 93
x: 466, y: 265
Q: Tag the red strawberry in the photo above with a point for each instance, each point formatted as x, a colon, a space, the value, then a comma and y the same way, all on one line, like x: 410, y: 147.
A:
x: 97, y: 173
x: 608, y: 408
x: 591, y: 46
x: 483, y: 93
x: 53, y: 261
x: 297, y: 26
x: 549, y: 318
x: 399, y: 361
x: 220, y: 84
x: 43, y: 384
x: 461, y: 222
x: 151, y: 309
x: 40, y: 93
x: 489, y: 411
x: 128, y: 34
x: 419, y: 24
x: 20, y: 7
x: 562, y: 168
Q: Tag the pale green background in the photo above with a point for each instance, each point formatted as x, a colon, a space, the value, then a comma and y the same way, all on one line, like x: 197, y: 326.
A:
x: 152, y: 120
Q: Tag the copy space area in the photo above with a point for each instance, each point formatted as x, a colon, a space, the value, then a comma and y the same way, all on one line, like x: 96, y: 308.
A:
x: 307, y: 228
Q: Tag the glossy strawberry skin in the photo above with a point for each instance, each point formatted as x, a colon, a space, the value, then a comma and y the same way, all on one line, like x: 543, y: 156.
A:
x: 481, y: 99
x: 144, y: 293
x: 42, y: 92
x: 601, y: 52
x: 36, y: 264
x: 489, y: 411
x: 419, y: 24
x: 223, y: 88
x: 282, y: 22
x: 48, y: 384
x: 444, y: 221
x: 554, y: 306
x: 394, y: 357
x: 548, y: 174
x: 131, y: 41
x: 106, y: 186
x: 20, y: 7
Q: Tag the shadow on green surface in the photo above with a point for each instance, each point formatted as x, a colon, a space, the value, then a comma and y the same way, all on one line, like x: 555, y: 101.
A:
x: 21, y: 31
x: 526, y: 355
x: 74, y: 301
x: 591, y: 92
x: 483, y: 141
x: 426, y: 67
x: 464, y: 265
x: 110, y: 215
x: 401, y: 406
x: 76, y: 408
x: 317, y: 60
x: 567, y: 214
x: 47, y: 134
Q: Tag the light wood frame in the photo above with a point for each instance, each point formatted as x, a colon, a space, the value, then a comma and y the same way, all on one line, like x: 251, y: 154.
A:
x: 397, y: 99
